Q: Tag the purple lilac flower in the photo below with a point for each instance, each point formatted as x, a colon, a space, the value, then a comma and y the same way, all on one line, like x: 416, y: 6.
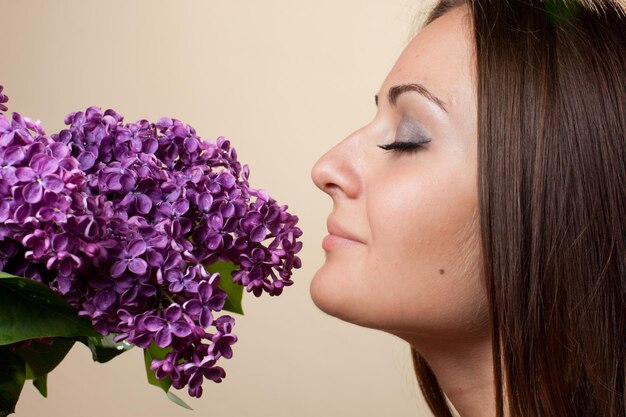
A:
x: 3, y: 99
x: 205, y: 368
x: 130, y: 259
x: 122, y: 219
x: 173, y: 323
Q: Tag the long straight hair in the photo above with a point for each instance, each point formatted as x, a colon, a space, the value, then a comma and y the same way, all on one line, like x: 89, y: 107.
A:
x: 551, y: 100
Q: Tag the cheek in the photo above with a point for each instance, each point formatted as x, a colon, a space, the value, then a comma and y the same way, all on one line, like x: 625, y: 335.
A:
x: 418, y: 214
x: 424, y: 249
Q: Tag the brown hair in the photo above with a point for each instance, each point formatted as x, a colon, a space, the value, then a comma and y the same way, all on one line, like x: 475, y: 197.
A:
x: 551, y: 99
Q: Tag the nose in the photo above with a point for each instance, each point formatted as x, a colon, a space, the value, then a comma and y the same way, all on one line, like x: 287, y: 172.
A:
x: 337, y: 172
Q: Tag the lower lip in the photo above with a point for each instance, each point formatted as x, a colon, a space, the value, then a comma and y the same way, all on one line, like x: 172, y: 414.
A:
x: 334, y: 241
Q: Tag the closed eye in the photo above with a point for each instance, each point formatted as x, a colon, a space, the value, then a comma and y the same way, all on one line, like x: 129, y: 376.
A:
x: 404, y: 147
x: 410, y: 137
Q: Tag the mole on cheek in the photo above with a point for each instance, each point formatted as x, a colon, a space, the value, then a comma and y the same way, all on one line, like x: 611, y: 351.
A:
x: 441, y: 271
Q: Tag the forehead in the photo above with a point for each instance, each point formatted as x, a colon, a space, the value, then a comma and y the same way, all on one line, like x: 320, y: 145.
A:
x: 440, y: 57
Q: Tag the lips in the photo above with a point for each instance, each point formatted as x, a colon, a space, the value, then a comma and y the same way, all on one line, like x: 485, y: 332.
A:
x: 338, y: 236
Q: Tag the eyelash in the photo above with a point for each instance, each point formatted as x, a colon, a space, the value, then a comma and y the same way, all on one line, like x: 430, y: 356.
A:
x: 403, y: 147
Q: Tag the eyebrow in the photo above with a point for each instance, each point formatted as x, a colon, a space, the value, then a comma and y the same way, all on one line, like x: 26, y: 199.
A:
x: 398, y: 90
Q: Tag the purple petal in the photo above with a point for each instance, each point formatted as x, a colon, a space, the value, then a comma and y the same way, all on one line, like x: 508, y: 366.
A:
x: 154, y: 323
x: 165, y: 209
x: 5, y: 209
x: 192, y: 286
x: 104, y: 299
x: 129, y: 198
x: 142, y: 340
x: 195, y: 381
x: 217, y: 301
x: 136, y: 247
x: 8, y: 174
x: 150, y: 146
x: 193, y: 307
x: 22, y: 213
x: 25, y: 174
x: 64, y: 283
x: 129, y: 295
x: 206, y: 318
x: 181, y: 329
x: 125, y: 316
x: 155, y: 259
x: 173, y: 312
x: 191, y: 144
x: 216, y: 221
x: 205, y: 200
x: 44, y: 165
x: 127, y: 182
x: 227, y: 209
x: 181, y: 206
x: 118, y: 268
x: 173, y: 275
x: 143, y: 204
x: 59, y: 150
x: 13, y: 154
x: 258, y: 234
x: 214, y: 241
x: 226, y: 179
x: 46, y: 213
x: 138, y: 266
x: 215, y: 373
x: 86, y: 160
x: 176, y: 287
x: 173, y: 260
x: 163, y: 337
x: 204, y: 291
x: 123, y: 135
x: 6, y: 138
x: 91, y: 230
x: 258, y: 255
x: 53, y: 183
x: 180, y: 131
x: 147, y: 290
x: 32, y: 192
x: 136, y: 145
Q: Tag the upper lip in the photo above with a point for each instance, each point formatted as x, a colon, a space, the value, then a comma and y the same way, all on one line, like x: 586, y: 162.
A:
x: 335, y: 228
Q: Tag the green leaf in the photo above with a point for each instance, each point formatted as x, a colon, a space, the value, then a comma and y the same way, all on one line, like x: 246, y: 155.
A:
x: 42, y: 358
x: 104, y: 348
x: 155, y: 352
x: 12, y: 376
x: 41, y: 384
x: 234, y: 291
x: 30, y: 310
x: 175, y: 399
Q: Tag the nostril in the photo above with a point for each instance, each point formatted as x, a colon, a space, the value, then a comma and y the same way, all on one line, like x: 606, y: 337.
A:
x: 330, y: 188
x: 324, y: 175
x: 334, y: 177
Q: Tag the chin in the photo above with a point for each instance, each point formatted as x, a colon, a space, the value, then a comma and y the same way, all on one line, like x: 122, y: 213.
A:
x: 336, y: 302
x: 323, y: 296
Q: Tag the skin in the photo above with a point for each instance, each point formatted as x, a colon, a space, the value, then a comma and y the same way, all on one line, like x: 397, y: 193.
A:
x: 411, y: 265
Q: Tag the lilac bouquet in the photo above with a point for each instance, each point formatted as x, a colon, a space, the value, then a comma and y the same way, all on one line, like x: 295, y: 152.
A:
x: 135, y: 234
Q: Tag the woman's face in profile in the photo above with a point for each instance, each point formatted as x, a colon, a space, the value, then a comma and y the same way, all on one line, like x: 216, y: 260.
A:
x: 403, y: 250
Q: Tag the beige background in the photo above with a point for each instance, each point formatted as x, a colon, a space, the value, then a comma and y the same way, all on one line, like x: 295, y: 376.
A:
x: 284, y: 80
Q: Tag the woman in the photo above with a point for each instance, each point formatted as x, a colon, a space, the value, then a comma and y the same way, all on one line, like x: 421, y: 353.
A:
x: 481, y: 216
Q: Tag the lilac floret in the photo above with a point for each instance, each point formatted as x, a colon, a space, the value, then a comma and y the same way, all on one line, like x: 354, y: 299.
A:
x: 172, y: 323
x: 3, y: 99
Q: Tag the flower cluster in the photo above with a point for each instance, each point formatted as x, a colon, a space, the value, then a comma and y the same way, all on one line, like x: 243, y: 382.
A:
x: 122, y: 221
